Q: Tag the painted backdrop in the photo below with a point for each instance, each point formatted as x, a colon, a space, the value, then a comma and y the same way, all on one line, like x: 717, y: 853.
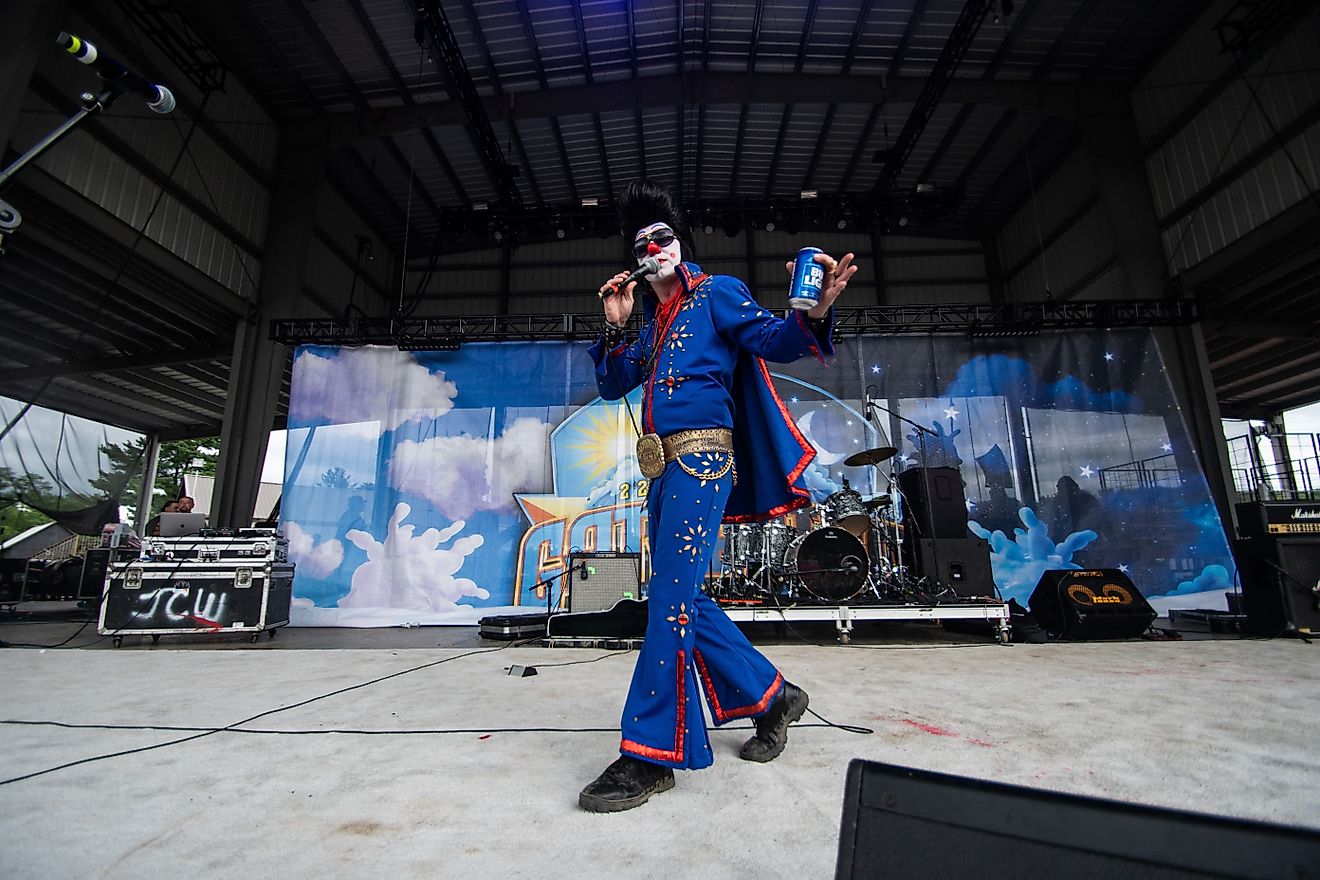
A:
x: 437, y: 487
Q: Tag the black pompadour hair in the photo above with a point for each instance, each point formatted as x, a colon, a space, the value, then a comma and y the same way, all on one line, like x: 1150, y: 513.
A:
x: 644, y: 202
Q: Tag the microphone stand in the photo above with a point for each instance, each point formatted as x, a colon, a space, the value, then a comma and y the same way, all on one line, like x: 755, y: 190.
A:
x: 546, y: 582
x: 922, y: 431
x: 10, y: 218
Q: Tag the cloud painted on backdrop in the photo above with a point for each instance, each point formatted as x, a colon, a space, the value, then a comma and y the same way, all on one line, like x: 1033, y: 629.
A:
x: 412, y: 572
x: 349, y: 387
x: 462, y: 475
x: 1001, y: 374
x: 316, y: 560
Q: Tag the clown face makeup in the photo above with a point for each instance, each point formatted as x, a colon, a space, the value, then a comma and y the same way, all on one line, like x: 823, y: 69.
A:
x: 659, y: 241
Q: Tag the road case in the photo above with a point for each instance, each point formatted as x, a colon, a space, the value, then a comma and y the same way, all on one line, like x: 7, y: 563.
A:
x: 155, y: 598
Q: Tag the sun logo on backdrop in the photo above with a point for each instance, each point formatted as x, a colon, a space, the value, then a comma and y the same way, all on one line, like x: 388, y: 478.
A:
x: 606, y: 438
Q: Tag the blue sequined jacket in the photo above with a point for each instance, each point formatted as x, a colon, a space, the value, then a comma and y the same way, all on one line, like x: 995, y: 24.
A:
x: 709, y: 371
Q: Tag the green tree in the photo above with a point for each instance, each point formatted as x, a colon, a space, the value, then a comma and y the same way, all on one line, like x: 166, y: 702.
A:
x: 334, y: 478
x: 177, y: 457
x: 15, y: 516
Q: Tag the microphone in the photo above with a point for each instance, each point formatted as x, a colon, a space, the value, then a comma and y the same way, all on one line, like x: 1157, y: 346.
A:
x: 159, y: 98
x: 649, y: 266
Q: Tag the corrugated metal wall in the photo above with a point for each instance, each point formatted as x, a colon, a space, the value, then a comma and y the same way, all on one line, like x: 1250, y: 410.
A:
x: 333, y: 259
x: 1222, y: 173
x: 1078, y: 259
x: 104, y: 161
x: 562, y: 277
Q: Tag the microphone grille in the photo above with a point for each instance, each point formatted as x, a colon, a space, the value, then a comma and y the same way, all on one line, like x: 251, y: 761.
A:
x: 164, y: 102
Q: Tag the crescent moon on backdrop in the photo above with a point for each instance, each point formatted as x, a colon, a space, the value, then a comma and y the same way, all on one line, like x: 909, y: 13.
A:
x: 823, y: 455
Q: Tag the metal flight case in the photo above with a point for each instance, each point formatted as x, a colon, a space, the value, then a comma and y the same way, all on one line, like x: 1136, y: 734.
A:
x: 210, y: 584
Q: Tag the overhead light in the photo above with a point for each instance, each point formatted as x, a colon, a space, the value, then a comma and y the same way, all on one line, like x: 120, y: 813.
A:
x: 559, y: 233
x: 770, y: 226
x: 480, y: 206
x: 903, y: 221
x: 499, y: 236
x: 590, y: 202
x: 842, y: 224
x: 808, y: 194
x: 925, y: 187
x: 709, y: 229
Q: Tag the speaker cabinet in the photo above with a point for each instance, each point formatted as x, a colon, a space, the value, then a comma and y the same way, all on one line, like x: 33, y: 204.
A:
x: 1281, y: 584
x: 596, y: 581
x: 934, y: 500
x: 959, y: 564
x: 904, y: 824
x: 1090, y: 604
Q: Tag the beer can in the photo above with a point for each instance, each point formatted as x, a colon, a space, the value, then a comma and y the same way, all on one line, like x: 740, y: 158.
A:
x: 808, y: 278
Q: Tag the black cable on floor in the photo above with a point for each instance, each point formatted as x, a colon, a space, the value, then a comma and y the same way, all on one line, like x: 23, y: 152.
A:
x: 297, y: 705
x: 430, y: 731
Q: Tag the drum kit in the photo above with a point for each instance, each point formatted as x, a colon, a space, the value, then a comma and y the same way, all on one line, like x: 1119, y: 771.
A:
x: 846, y: 549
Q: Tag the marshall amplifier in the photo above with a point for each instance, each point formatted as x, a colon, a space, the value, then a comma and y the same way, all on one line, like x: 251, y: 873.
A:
x: 1090, y: 604
x: 596, y: 581
x: 1258, y: 519
x: 176, y: 597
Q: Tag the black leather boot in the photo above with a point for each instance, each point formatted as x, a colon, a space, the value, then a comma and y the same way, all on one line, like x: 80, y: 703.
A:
x: 772, y: 727
x: 625, y: 784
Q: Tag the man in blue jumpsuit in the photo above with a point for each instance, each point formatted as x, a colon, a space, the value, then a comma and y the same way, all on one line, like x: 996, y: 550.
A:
x: 722, y: 446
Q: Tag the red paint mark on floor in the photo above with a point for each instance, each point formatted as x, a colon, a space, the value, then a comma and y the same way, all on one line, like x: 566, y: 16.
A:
x: 930, y: 728
x: 484, y: 736
x: 940, y: 731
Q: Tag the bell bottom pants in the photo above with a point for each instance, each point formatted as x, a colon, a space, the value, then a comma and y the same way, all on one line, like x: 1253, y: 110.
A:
x: 691, y: 646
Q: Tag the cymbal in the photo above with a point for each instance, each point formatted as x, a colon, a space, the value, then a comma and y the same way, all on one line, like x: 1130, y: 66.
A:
x: 870, y: 456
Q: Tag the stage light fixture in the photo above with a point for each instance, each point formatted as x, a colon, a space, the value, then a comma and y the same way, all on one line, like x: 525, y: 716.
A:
x: 590, y: 202
x: 903, y: 221
x: 708, y: 229
x: 770, y: 226
x: 498, y: 235
x: 808, y: 194
x: 559, y: 233
x: 480, y: 206
x: 842, y: 224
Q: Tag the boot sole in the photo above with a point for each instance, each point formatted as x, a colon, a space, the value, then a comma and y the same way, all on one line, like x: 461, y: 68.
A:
x: 781, y: 734
x: 594, y: 804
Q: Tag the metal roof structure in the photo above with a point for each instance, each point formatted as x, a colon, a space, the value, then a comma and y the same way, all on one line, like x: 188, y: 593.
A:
x: 457, y: 127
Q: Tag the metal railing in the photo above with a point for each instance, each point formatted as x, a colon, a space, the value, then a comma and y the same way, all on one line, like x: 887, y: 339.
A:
x: 1275, y: 466
x: 1148, y: 473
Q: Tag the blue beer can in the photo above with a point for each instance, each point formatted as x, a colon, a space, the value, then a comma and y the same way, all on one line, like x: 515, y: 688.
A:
x: 808, y: 278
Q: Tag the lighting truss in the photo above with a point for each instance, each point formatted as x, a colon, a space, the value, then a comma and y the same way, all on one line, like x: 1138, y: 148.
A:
x: 972, y: 319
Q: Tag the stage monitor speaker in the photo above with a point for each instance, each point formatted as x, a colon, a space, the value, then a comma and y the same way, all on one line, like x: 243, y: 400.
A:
x: 900, y: 823
x: 596, y: 581
x: 1090, y: 604
x: 934, y: 499
x: 1281, y: 584
x: 959, y: 564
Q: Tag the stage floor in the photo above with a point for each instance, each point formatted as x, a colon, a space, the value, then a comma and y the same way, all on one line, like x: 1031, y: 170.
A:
x: 435, y: 773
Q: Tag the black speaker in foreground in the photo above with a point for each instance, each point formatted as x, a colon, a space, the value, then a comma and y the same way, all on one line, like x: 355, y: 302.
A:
x: 1097, y: 603
x: 903, y: 823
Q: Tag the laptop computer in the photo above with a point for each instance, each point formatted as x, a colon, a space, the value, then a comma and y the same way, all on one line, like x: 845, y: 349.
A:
x: 178, y: 525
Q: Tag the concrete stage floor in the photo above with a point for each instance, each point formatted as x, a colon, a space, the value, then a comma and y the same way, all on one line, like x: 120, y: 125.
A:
x: 437, y: 772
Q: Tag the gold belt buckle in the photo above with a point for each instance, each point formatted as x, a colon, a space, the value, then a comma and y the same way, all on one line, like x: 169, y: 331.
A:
x: 650, y: 456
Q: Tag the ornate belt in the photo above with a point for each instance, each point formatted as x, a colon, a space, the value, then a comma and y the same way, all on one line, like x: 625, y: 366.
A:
x: 654, y: 452
x: 697, y: 440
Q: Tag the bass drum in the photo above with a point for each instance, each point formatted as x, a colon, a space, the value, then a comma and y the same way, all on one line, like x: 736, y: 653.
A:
x: 829, y: 563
